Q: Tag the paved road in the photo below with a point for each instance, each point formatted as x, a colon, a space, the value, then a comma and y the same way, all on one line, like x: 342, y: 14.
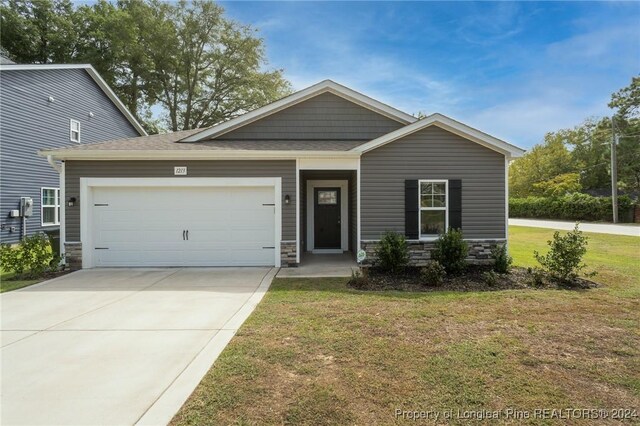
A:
x: 600, y: 228
x: 118, y: 346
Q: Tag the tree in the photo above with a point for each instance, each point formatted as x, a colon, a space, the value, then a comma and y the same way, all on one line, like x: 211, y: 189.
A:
x: 543, y: 162
x: 115, y: 39
x: 626, y: 103
x: 185, y: 59
x: 557, y: 186
x: 39, y: 31
x: 590, y: 145
x: 210, y: 69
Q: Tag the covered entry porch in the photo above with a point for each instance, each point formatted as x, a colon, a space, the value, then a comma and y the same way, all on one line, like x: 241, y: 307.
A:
x: 328, y: 212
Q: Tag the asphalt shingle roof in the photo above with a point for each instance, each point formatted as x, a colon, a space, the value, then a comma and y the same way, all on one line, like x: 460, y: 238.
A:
x: 171, y: 142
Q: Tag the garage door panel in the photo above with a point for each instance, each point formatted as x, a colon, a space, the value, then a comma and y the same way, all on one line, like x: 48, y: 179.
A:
x: 144, y: 226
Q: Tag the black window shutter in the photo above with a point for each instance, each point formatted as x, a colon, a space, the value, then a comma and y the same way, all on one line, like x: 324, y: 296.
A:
x: 455, y: 204
x: 411, y: 209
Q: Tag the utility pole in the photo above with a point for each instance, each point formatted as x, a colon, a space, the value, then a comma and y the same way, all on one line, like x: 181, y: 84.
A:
x: 614, y: 172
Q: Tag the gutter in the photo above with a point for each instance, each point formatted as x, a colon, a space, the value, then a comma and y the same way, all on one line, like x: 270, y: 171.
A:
x: 192, y: 155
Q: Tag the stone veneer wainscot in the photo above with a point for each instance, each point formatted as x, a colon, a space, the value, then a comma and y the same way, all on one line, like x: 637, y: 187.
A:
x: 420, y: 251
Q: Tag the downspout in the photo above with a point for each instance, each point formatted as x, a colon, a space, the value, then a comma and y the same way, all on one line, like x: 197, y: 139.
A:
x: 60, y: 169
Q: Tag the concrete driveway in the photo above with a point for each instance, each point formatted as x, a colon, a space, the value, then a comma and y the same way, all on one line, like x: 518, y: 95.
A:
x: 630, y: 229
x: 118, y: 346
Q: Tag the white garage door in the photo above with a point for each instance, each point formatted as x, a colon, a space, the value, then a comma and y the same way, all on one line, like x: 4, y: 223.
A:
x: 188, y: 226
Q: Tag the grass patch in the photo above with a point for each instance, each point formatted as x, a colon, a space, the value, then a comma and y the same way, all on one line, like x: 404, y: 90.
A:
x: 317, y: 352
x: 7, y: 283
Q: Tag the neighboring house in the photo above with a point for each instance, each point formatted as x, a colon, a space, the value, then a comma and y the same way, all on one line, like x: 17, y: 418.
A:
x: 324, y: 170
x: 49, y: 106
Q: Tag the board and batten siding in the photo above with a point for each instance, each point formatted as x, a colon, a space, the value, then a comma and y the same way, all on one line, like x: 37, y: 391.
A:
x: 323, y: 117
x: 285, y: 169
x: 433, y: 153
x: 30, y: 123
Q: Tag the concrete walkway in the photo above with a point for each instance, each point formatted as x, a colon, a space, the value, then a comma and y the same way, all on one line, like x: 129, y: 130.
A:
x: 321, y: 265
x: 600, y: 228
x: 118, y: 346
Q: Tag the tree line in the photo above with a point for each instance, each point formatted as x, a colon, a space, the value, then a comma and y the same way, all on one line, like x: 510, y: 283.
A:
x: 578, y: 159
x: 185, y: 59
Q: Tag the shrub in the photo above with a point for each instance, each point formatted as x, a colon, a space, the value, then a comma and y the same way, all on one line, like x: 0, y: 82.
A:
x: 10, y: 259
x: 392, y: 253
x: 33, y: 256
x: 451, y: 251
x: 501, y: 259
x: 490, y: 278
x: 432, y: 274
x: 568, y: 207
x: 563, y: 261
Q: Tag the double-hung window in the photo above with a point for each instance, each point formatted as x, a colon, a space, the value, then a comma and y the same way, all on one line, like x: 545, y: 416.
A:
x: 74, y: 130
x: 50, y: 210
x: 433, y: 201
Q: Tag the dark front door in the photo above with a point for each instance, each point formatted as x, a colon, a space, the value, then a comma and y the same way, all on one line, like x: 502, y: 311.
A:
x: 326, y: 218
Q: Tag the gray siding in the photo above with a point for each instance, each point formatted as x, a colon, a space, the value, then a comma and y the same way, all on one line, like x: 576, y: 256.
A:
x: 325, y: 116
x: 286, y: 169
x: 30, y: 122
x: 433, y: 153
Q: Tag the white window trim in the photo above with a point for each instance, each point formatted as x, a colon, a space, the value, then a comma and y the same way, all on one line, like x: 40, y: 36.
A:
x: 420, y: 208
x: 71, y: 123
x: 56, y: 205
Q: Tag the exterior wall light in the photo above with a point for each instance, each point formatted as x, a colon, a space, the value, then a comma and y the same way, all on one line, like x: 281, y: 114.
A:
x: 287, y: 199
x: 71, y: 202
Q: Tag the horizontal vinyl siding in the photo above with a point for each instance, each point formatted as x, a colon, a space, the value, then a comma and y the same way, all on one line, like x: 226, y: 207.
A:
x: 325, y: 116
x: 30, y: 123
x: 433, y: 153
x: 286, y: 169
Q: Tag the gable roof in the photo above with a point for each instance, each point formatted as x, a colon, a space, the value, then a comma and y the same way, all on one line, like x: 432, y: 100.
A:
x: 326, y: 86
x: 450, y: 125
x: 94, y: 75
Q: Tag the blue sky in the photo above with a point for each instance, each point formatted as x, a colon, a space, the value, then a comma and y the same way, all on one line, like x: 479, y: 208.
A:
x: 514, y: 70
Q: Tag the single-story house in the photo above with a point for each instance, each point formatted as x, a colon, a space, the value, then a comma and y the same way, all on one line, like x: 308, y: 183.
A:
x: 324, y: 170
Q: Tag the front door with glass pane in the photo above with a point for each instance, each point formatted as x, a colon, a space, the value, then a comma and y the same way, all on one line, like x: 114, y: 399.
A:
x: 327, y: 229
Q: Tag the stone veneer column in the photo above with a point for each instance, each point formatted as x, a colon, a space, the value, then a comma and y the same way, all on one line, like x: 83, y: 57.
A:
x: 73, y: 255
x: 288, y: 254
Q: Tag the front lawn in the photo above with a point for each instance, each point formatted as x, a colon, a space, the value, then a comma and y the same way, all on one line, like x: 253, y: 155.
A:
x: 316, y: 352
x: 8, y: 284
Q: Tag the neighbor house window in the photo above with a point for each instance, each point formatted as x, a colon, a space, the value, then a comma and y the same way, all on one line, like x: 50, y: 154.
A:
x: 433, y: 204
x: 74, y: 130
x: 50, y: 206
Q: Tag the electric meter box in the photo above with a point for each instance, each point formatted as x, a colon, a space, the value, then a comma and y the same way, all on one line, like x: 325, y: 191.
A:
x: 26, y: 206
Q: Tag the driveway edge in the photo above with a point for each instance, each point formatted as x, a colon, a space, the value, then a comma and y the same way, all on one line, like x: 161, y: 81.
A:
x: 167, y: 405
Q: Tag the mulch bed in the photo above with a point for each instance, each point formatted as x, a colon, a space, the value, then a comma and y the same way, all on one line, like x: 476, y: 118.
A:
x: 471, y: 280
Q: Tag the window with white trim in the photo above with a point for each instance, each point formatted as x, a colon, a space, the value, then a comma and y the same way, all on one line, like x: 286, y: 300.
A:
x: 50, y: 206
x: 74, y: 130
x: 433, y: 219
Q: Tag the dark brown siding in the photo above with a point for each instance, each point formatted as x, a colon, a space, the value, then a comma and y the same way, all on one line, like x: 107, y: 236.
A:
x: 325, y: 116
x: 286, y: 169
x: 433, y: 153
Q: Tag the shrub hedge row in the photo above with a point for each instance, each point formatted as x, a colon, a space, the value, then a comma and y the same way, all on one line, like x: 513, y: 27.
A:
x: 570, y: 207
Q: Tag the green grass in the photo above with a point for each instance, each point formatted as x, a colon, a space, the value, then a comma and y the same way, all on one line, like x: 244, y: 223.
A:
x: 316, y: 352
x: 7, y: 283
